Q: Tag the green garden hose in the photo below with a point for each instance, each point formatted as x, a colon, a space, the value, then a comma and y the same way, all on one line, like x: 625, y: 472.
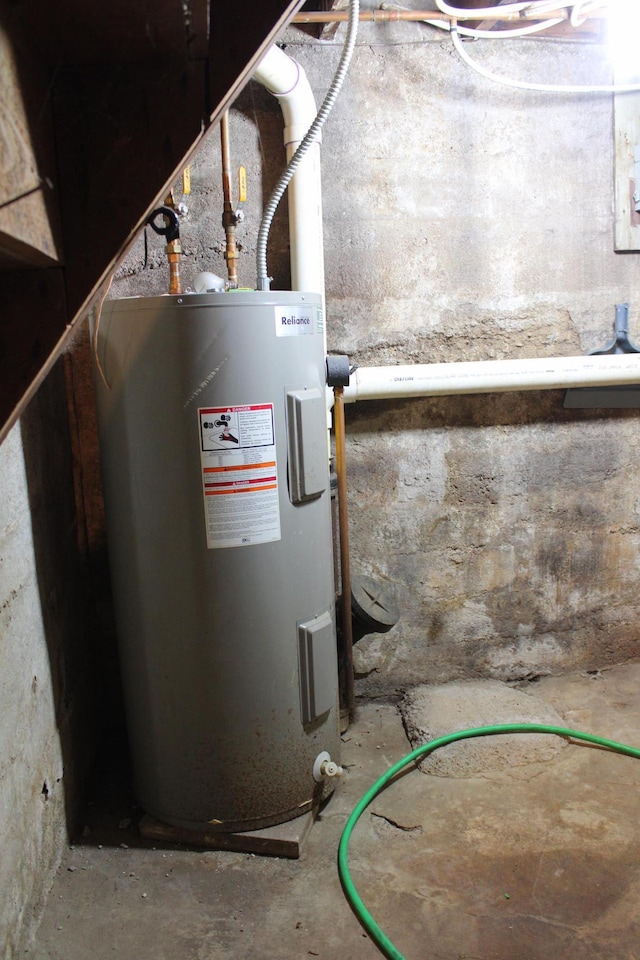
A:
x: 379, y: 938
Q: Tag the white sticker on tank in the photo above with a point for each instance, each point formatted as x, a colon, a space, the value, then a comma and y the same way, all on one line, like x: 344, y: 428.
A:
x: 296, y: 321
x: 239, y: 475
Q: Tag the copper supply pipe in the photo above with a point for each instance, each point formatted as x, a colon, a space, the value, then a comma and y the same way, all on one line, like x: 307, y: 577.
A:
x: 381, y: 16
x: 174, y: 255
x: 174, y: 252
x: 228, y: 214
x: 393, y: 16
x: 343, y: 524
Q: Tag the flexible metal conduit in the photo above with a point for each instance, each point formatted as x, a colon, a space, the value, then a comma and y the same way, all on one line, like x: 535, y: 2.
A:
x: 491, y: 376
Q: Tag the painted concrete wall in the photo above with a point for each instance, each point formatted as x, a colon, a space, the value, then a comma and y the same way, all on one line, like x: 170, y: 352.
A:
x: 482, y: 228
x: 463, y: 221
x: 47, y: 688
x: 31, y: 768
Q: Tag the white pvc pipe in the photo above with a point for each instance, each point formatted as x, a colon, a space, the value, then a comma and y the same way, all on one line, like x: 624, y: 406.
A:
x: 287, y: 81
x: 491, y: 376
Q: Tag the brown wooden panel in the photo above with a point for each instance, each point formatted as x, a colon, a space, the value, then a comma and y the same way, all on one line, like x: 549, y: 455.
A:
x: 17, y: 154
x: 74, y: 32
x: 123, y: 132
x: 29, y: 222
x: 25, y: 216
x: 34, y: 315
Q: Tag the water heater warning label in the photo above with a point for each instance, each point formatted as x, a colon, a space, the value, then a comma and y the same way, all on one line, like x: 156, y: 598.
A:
x: 239, y: 475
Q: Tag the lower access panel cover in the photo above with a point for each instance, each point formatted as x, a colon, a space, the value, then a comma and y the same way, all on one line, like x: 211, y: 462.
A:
x: 317, y: 667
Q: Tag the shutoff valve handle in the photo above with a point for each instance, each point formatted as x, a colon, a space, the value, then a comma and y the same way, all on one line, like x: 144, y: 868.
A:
x: 171, y: 228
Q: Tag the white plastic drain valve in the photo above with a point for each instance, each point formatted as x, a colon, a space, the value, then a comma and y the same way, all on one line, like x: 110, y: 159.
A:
x: 324, y: 768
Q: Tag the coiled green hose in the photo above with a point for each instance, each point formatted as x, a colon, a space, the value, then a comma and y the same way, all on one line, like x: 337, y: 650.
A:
x: 379, y: 938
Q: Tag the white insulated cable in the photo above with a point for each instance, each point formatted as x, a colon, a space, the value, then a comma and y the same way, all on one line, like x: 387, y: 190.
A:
x: 583, y: 9
x: 311, y: 134
x: 525, y: 85
x: 526, y: 6
x: 509, y: 33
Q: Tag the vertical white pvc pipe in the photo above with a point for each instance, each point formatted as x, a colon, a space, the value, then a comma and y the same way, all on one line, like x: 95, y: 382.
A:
x: 287, y: 81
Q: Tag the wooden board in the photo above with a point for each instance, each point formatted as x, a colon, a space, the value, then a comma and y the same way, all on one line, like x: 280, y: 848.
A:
x: 626, y: 177
x: 283, y: 840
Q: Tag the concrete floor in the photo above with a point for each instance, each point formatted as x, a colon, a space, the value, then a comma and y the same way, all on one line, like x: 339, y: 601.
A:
x: 537, y: 863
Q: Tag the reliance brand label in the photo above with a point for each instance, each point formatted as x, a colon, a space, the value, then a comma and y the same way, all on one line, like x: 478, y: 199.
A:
x: 295, y: 321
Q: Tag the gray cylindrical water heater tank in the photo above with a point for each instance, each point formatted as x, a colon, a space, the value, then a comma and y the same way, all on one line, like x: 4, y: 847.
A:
x: 213, y: 438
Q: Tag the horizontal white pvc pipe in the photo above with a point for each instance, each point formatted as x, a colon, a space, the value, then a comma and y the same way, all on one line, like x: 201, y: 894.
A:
x: 491, y: 376
x: 287, y: 81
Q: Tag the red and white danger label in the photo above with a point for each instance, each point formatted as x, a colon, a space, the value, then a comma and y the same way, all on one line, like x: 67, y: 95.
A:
x: 239, y: 475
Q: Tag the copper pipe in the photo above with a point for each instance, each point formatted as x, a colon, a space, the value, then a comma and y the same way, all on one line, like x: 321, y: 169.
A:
x: 228, y: 215
x: 174, y: 252
x: 382, y: 16
x: 393, y: 16
x: 345, y: 569
x: 174, y: 255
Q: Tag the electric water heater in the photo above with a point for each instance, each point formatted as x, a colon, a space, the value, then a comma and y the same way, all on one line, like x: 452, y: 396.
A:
x: 213, y: 437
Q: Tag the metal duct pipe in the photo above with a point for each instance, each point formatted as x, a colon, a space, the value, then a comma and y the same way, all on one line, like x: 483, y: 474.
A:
x: 491, y: 376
